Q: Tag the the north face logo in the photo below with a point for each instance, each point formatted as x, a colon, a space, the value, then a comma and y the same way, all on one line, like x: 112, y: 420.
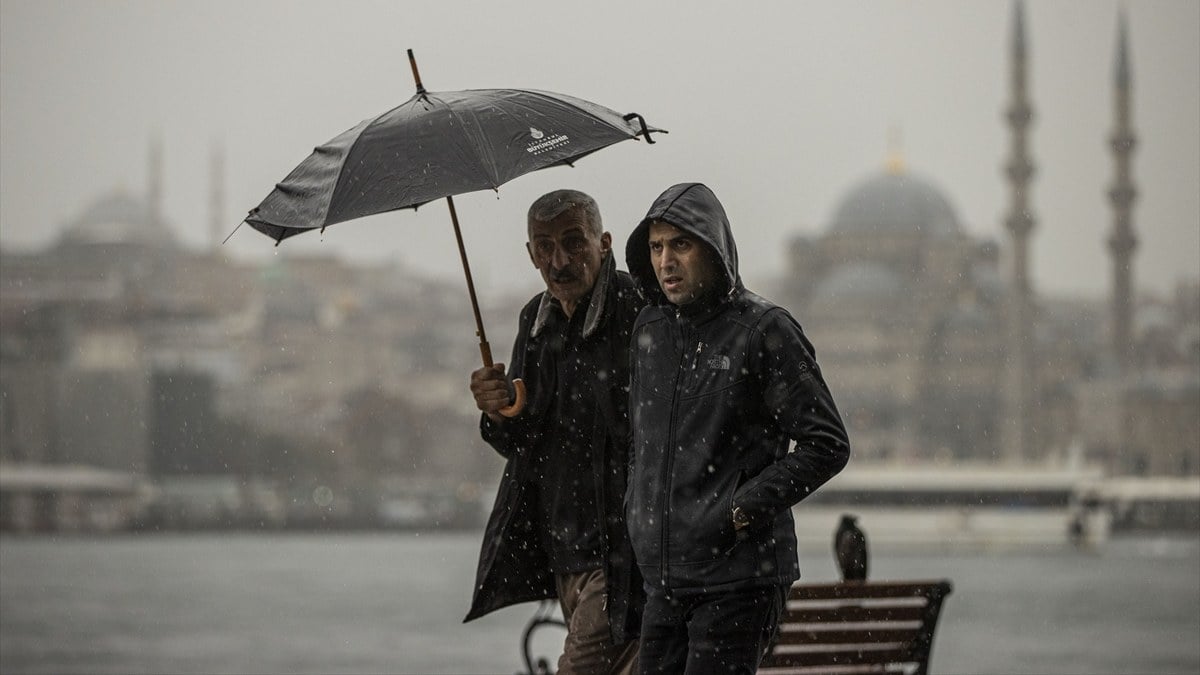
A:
x: 718, y: 362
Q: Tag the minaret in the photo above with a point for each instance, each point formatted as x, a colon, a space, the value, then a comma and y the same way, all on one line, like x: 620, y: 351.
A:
x: 1019, y: 387
x: 1122, y: 194
x: 154, y: 183
x: 895, y: 157
x: 216, y: 204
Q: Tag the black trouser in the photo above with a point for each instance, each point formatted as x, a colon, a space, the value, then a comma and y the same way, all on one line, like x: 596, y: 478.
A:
x: 724, y: 632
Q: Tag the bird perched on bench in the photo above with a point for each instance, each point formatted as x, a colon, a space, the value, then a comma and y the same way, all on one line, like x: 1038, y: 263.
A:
x: 850, y: 549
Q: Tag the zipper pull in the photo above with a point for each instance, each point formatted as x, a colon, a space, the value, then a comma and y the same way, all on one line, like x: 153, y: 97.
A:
x: 696, y: 357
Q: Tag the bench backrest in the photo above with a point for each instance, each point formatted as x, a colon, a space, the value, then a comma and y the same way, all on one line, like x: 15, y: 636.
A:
x: 858, y: 627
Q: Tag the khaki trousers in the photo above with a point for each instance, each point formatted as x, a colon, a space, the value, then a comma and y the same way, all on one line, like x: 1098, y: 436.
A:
x: 589, y: 649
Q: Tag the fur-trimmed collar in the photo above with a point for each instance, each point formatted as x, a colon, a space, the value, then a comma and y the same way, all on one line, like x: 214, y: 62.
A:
x: 595, y: 310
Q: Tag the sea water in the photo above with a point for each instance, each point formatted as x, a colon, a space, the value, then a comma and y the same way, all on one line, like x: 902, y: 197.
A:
x: 394, y: 602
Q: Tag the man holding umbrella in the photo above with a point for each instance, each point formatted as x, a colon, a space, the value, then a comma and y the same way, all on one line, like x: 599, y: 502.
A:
x: 557, y: 529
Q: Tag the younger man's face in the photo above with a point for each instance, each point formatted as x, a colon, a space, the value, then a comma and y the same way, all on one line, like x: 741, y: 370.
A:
x: 683, y: 264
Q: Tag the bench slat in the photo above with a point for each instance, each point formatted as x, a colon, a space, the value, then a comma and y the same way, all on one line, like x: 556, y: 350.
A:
x: 823, y: 669
x: 865, y: 669
x: 845, y: 657
x: 854, y: 636
x: 870, y: 589
x: 855, y: 613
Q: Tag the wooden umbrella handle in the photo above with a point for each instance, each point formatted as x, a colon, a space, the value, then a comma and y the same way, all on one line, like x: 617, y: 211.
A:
x: 513, y: 409
x: 518, y: 404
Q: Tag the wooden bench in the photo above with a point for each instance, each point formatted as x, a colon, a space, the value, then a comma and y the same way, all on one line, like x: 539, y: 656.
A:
x: 858, y: 627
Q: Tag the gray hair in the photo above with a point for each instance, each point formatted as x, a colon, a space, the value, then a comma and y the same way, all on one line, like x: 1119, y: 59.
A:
x: 554, y: 204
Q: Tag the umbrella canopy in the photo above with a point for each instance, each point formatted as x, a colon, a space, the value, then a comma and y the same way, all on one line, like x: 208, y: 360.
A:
x: 435, y: 145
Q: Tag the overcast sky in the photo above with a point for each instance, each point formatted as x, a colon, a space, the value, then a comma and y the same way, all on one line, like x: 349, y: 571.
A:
x: 781, y: 107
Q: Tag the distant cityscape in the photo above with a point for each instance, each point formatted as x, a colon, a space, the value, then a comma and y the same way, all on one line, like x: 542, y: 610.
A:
x: 234, y: 392
x: 145, y: 385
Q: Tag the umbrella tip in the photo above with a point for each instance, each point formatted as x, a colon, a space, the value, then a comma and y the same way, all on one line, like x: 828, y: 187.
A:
x: 412, y: 61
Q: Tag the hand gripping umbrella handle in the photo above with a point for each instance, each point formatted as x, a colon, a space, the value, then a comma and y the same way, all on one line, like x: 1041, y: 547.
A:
x: 513, y: 409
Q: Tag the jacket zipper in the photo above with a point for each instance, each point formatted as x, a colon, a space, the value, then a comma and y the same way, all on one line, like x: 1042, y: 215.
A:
x: 669, y: 455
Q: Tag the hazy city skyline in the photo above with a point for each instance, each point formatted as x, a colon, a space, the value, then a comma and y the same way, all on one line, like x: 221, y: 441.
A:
x: 782, y: 109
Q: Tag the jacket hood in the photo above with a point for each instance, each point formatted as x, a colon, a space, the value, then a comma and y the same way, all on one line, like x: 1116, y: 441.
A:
x: 691, y: 207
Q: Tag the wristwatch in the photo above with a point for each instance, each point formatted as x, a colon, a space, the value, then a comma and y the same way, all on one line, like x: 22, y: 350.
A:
x: 740, y: 519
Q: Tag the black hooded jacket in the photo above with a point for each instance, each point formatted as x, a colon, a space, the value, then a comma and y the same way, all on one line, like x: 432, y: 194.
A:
x: 720, y: 389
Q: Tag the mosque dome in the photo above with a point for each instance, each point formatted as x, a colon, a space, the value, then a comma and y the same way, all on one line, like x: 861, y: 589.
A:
x: 895, y: 202
x: 118, y: 218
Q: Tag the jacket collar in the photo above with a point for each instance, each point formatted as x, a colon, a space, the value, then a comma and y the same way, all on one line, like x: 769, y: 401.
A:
x: 706, y: 308
x: 595, y: 310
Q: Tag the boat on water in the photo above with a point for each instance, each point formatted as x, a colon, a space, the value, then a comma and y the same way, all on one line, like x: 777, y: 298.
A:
x: 1159, y: 504
x: 971, y: 506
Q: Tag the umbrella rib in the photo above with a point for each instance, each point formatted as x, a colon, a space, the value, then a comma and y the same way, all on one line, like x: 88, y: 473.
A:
x: 365, y: 124
x: 585, y: 111
x: 233, y: 232
x: 490, y: 175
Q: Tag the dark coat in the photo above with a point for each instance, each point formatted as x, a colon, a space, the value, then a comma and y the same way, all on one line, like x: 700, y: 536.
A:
x: 721, y: 388
x: 513, y: 567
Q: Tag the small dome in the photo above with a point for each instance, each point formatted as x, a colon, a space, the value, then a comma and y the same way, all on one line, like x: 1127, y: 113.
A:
x: 858, y: 282
x: 967, y: 319
x: 118, y: 218
x: 895, y: 202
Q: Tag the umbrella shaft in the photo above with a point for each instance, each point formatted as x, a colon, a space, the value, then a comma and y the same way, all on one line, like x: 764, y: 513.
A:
x: 485, y: 349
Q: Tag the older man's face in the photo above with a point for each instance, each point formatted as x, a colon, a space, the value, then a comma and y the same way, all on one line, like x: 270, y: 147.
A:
x: 568, y: 255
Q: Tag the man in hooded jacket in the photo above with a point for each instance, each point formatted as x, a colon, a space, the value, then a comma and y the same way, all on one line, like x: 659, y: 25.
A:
x: 557, y: 528
x: 723, y: 382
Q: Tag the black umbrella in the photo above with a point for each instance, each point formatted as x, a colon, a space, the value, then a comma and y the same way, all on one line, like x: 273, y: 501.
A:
x: 435, y: 145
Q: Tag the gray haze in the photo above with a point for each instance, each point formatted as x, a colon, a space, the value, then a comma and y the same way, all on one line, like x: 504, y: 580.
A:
x: 782, y: 107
